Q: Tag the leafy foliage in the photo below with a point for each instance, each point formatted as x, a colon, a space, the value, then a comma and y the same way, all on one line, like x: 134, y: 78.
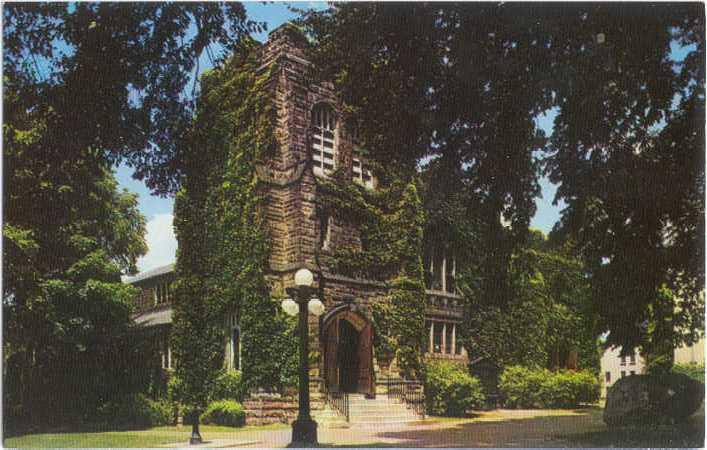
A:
x: 549, y: 317
x: 450, y: 390
x: 117, y: 74
x: 223, y: 251
x: 136, y: 411
x: 85, y: 86
x: 388, y: 255
x: 68, y: 236
x: 229, y: 385
x: 224, y: 412
x: 463, y: 83
x: 632, y: 172
x: 692, y: 370
x: 523, y: 387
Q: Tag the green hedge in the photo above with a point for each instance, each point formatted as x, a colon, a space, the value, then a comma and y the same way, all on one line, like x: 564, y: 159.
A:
x: 521, y: 387
x: 137, y: 411
x: 450, y: 390
x: 224, y: 412
x: 692, y: 370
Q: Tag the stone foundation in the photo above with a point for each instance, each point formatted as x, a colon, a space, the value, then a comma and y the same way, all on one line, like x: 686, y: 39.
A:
x: 264, y: 409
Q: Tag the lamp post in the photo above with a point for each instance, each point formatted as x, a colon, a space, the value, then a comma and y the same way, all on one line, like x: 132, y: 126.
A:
x: 304, y: 429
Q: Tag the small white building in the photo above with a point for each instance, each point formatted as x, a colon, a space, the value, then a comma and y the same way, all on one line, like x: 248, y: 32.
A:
x: 693, y: 354
x: 615, y: 366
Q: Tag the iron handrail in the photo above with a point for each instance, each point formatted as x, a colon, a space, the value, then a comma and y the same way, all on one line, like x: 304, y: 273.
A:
x: 410, y: 392
x: 339, y: 402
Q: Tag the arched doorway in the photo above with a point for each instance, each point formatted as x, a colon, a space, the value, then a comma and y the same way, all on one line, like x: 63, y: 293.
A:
x: 348, y: 353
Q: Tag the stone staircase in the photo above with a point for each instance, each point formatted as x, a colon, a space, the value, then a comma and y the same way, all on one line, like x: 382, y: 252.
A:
x: 380, y: 411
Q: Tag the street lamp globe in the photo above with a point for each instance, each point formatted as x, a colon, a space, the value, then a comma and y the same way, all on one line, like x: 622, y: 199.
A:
x: 316, y: 307
x: 290, y: 307
x: 304, y: 277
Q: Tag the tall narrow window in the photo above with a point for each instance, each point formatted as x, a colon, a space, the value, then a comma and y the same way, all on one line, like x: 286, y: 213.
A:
x: 440, y: 269
x: 361, y: 172
x: 235, y: 343
x: 437, y: 339
x: 448, y: 338
x: 633, y: 358
x: 166, y: 353
x: 323, y: 140
x: 235, y: 348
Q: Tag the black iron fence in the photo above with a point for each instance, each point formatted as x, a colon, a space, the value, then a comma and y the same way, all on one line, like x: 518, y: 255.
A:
x: 339, y: 401
x: 412, y: 393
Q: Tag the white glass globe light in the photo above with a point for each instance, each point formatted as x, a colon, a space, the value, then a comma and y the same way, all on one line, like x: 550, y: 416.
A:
x: 304, y: 277
x: 316, y: 307
x: 290, y: 307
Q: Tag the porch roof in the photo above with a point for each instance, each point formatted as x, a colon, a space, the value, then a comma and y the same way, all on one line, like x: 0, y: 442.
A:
x: 154, y: 318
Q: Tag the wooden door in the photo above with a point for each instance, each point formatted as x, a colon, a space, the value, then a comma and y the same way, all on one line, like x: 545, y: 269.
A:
x: 331, y: 346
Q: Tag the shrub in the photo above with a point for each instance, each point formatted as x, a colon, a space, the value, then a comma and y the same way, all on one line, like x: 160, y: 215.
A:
x: 137, y: 411
x: 175, y: 389
x: 229, y: 385
x: 450, y: 390
x: 224, y: 412
x: 692, y: 370
x: 522, y: 387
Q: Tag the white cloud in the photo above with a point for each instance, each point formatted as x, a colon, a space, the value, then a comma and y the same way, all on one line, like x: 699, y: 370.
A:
x: 161, y: 243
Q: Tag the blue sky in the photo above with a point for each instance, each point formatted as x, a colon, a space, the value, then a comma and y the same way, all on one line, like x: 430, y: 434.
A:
x: 158, y: 211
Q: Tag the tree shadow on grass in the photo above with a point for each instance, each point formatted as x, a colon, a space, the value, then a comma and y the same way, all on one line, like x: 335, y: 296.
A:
x: 688, y: 434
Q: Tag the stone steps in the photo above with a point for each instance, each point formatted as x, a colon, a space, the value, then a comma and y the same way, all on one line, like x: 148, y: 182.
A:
x: 380, y: 411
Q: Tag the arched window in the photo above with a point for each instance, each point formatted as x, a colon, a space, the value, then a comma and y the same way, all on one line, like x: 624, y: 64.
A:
x: 323, y: 140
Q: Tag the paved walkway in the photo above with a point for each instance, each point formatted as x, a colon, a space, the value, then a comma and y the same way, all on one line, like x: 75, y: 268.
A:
x: 501, y: 428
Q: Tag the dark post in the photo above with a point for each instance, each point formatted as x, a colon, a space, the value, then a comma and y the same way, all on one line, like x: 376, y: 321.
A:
x: 304, y: 429
x: 195, y: 435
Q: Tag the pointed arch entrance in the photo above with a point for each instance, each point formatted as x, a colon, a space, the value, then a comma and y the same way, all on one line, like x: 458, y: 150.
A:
x: 348, y: 351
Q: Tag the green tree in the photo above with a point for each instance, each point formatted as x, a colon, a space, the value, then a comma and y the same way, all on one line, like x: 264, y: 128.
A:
x: 87, y: 85
x: 68, y: 236
x: 628, y: 154
x: 463, y: 84
x: 120, y: 76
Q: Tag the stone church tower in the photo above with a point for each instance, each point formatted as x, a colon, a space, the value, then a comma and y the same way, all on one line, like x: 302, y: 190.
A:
x: 313, y: 143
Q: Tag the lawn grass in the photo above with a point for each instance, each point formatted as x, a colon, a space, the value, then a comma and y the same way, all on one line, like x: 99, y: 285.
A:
x: 152, y: 437
x: 689, y: 434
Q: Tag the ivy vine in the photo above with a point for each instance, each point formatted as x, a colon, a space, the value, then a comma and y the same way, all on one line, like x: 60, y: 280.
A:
x: 390, y: 220
x: 223, y: 248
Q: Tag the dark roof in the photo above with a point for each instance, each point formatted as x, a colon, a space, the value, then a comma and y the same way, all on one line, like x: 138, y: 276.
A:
x: 152, y: 273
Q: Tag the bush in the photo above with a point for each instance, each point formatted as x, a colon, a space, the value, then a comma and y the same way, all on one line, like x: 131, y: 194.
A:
x: 450, y: 390
x: 224, y: 412
x: 137, y: 411
x: 692, y: 370
x: 522, y: 387
x: 229, y: 385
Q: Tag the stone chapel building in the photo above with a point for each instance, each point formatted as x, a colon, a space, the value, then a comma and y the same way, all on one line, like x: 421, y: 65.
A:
x: 312, y: 145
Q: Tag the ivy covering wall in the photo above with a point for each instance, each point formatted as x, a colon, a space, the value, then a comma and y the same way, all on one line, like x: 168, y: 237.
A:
x: 390, y: 219
x: 223, y: 249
